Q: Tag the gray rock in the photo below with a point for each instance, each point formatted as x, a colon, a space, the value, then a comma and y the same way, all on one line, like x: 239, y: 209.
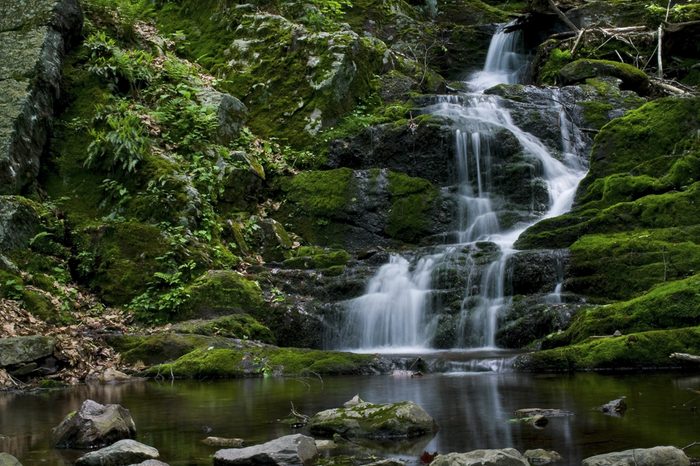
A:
x: 18, y: 350
x: 223, y: 442
x: 19, y: 221
x: 121, y: 453
x: 615, y: 407
x: 546, y: 412
x: 657, y: 456
x: 504, y: 457
x: 34, y: 36
x: 150, y: 463
x: 394, y: 420
x: 8, y: 460
x: 288, y: 450
x: 231, y: 114
x: 95, y: 425
x: 540, y: 457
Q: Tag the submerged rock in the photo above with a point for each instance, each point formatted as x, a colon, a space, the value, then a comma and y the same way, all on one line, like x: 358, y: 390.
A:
x: 504, y: 457
x: 288, y: 450
x: 95, y: 425
x: 123, y: 452
x: 394, y: 420
x: 657, y: 456
x: 615, y: 407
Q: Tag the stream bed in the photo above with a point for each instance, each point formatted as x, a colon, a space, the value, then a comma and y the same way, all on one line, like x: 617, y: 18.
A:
x: 472, y: 411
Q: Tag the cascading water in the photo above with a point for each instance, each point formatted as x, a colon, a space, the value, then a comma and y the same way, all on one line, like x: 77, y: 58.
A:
x: 395, y: 313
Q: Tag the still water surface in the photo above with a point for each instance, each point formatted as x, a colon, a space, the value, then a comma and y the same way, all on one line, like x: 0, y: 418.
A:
x: 472, y: 411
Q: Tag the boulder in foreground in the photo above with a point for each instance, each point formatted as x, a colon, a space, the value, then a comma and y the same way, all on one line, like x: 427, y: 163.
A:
x: 95, y: 425
x: 121, y: 453
x: 657, y: 456
x: 504, y: 457
x: 294, y: 449
x: 367, y: 420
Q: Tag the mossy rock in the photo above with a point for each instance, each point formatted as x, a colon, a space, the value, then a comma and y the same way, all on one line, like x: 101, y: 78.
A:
x: 645, y: 350
x: 118, y: 260
x: 265, y: 360
x: 20, y: 221
x: 580, y: 70
x: 219, y: 292
x: 312, y: 257
x: 163, y: 347
x: 377, y: 421
x: 669, y: 305
x: 239, y: 326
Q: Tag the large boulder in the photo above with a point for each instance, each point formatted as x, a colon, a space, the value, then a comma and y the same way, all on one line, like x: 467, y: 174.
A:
x: 121, y: 453
x: 8, y: 460
x: 19, y: 350
x: 95, y: 425
x: 230, y: 114
x: 34, y: 36
x: 294, y: 449
x: 394, y: 420
x: 657, y: 456
x: 504, y: 457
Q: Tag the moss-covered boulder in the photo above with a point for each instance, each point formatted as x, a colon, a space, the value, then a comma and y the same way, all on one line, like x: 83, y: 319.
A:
x: 367, y: 420
x: 578, y: 71
x: 257, y: 361
x: 19, y: 222
x: 239, y: 326
x: 645, y: 350
x: 19, y: 350
x: 362, y: 208
x: 220, y: 292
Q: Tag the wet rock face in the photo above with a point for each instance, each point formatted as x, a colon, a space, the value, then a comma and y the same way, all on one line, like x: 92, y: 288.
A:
x: 34, y: 36
x: 95, y: 425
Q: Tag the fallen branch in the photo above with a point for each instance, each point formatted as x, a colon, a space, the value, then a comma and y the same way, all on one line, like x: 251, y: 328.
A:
x: 563, y: 17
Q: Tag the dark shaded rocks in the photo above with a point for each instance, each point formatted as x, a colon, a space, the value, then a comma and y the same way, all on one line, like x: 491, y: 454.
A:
x: 529, y: 318
x: 8, y: 460
x: 367, y: 420
x: 615, y: 407
x: 18, y: 350
x: 34, y: 37
x: 19, y: 222
x: 121, y: 453
x: 537, y: 271
x: 95, y: 425
x: 295, y: 449
x: 546, y: 412
x: 504, y: 457
x: 657, y: 456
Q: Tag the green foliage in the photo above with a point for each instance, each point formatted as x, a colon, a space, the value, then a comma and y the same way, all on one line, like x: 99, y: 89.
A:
x: 120, y: 140
x: 116, y: 65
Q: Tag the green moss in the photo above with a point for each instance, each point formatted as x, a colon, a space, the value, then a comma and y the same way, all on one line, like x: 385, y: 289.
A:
x: 645, y: 350
x: 312, y: 257
x: 162, y: 347
x: 580, y: 70
x: 412, y: 201
x: 556, y: 60
x: 321, y: 193
x: 118, y: 260
x: 596, y: 113
x: 240, y: 326
x: 220, y: 292
x: 225, y: 363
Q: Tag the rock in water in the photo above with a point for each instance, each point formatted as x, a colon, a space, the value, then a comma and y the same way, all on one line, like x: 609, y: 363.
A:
x: 615, y: 407
x: 657, y: 456
x: 95, y: 425
x: 288, y: 450
x: 540, y: 457
x: 223, y: 442
x: 504, y: 457
x: 124, y: 452
x: 8, y: 460
x: 394, y: 420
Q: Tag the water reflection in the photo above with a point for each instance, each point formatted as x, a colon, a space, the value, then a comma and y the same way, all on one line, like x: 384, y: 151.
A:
x: 472, y: 411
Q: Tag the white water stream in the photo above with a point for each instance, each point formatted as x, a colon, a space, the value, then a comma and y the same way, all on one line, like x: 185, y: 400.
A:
x: 394, y: 314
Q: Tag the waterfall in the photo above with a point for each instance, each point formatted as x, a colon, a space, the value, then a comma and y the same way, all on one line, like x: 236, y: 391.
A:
x: 396, y: 312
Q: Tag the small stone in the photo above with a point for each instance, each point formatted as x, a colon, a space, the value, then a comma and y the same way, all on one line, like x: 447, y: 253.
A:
x: 8, y: 460
x: 223, y: 442
x: 540, y: 457
x: 325, y: 445
x: 354, y: 401
x: 615, y: 407
x: 617, y: 333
